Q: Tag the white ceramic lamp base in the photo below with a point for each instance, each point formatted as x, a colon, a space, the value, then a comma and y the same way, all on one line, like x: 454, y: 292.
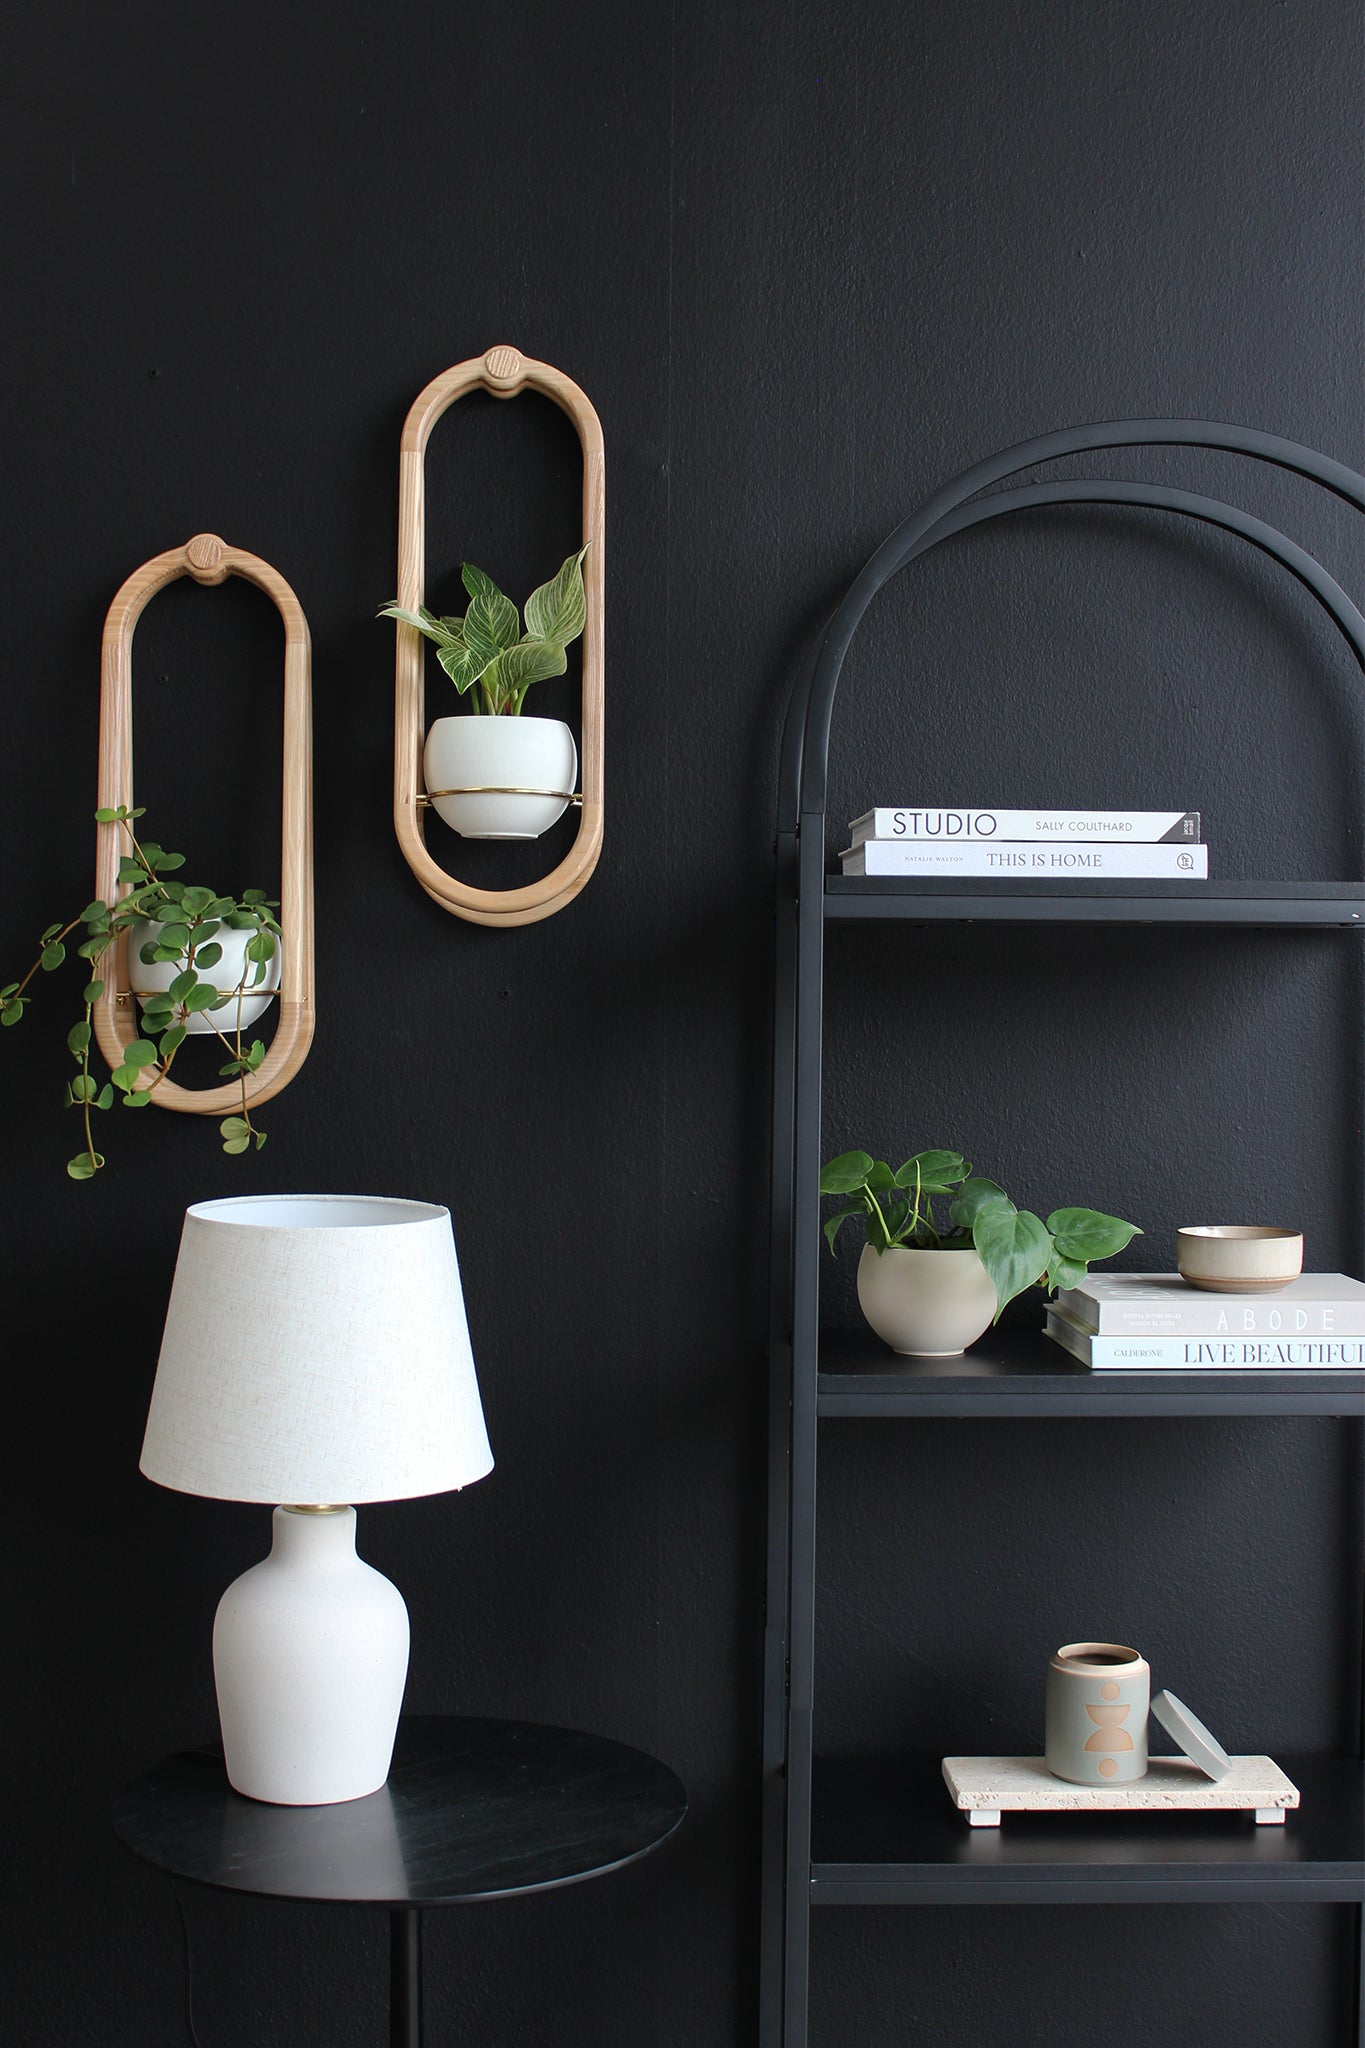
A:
x: 310, y: 1657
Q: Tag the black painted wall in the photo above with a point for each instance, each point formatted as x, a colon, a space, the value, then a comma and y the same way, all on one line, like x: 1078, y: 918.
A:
x: 807, y: 261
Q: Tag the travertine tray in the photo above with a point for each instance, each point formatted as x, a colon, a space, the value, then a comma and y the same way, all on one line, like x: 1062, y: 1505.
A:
x: 984, y: 1787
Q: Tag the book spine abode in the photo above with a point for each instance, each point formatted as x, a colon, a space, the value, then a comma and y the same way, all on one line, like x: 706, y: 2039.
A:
x: 504, y: 373
x: 210, y: 560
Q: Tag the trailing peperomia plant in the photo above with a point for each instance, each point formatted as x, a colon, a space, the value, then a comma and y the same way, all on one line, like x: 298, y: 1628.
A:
x: 1016, y: 1247
x: 486, y: 650
x: 189, y: 921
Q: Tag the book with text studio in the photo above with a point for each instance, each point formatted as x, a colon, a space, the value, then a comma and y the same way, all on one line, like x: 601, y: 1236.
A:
x: 1043, y: 826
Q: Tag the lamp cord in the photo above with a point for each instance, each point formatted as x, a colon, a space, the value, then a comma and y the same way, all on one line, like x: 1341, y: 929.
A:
x: 189, y: 1973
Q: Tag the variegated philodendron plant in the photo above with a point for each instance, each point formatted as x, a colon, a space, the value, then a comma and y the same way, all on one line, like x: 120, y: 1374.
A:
x: 487, y: 651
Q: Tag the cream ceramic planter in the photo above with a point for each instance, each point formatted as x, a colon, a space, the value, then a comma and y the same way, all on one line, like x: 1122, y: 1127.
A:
x: 502, y: 778
x: 925, y: 1304
x: 154, y: 978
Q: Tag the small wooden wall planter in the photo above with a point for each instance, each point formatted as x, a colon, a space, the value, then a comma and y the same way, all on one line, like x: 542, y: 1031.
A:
x: 503, y: 372
x: 209, y: 560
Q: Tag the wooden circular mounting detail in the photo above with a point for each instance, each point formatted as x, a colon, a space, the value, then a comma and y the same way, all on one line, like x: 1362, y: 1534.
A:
x: 503, y: 365
x: 503, y: 371
x: 204, y: 558
x: 210, y: 560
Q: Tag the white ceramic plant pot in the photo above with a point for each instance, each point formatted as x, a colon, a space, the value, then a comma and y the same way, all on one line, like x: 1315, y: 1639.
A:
x: 154, y: 978
x: 925, y: 1304
x: 500, y: 756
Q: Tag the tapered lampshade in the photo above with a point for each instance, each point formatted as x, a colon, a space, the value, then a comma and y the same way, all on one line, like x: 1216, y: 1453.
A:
x: 315, y: 1354
x: 316, y: 1349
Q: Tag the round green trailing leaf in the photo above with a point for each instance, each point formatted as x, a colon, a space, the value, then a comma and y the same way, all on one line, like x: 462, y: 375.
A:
x: 221, y: 906
x: 842, y: 1175
x: 973, y: 1196
x: 207, y: 956
x: 203, y: 996
x: 162, y: 861
x: 78, y: 1038
x: 10, y: 988
x: 182, y: 985
x: 936, y: 1171
x: 138, y: 1098
x: 124, y: 1078
x: 96, y: 912
x: 197, y: 900
x: 81, y: 1089
x: 12, y: 1012
x: 234, y: 1146
x: 173, y: 1039
x: 105, y: 1098
x: 50, y: 933
x: 53, y: 956
x: 1088, y: 1234
x: 1014, y: 1248
x: 253, y: 896
x: 262, y: 947
x: 235, y: 1127
x: 260, y: 1137
x: 92, y: 991
x: 141, y: 1053
x: 256, y: 1054
x: 107, y: 815
x: 84, y: 1165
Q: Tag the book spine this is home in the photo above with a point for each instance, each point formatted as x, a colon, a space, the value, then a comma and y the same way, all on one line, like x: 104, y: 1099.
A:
x: 1044, y: 826
x: 1208, y: 1354
x: 1018, y: 861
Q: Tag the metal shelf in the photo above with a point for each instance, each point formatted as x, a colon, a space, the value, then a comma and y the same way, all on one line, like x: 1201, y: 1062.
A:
x: 1023, y: 1373
x: 884, y: 1832
x: 950, y: 899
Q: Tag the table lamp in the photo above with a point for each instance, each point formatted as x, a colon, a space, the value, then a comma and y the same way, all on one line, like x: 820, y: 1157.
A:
x: 316, y: 1354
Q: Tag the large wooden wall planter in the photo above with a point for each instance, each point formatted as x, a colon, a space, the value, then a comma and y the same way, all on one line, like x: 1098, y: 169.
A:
x: 505, y: 373
x: 209, y: 560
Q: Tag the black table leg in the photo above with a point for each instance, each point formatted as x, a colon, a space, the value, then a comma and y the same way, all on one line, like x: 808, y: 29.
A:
x: 405, y: 1977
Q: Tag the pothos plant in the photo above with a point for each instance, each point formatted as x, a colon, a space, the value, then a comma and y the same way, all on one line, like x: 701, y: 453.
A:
x: 486, y: 650
x: 1016, y: 1247
x: 188, y: 921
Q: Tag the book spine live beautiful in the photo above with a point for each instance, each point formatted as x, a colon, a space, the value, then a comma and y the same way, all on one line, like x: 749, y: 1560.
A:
x: 1209, y: 1354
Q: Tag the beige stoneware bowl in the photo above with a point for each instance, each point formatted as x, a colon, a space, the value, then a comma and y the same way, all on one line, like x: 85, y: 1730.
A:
x: 1238, y: 1258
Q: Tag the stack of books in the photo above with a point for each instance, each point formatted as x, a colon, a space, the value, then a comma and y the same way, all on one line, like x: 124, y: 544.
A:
x: 1028, y: 845
x: 1151, y: 1322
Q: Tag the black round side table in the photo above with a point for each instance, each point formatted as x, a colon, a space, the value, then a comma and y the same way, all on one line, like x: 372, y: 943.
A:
x: 472, y: 1810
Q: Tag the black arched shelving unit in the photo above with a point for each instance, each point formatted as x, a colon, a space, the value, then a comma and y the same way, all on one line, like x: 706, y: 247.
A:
x: 852, y: 1834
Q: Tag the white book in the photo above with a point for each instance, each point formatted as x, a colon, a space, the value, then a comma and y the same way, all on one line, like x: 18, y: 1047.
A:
x: 1206, y: 1354
x: 1047, y: 826
x: 1014, y: 862
x: 1162, y: 1304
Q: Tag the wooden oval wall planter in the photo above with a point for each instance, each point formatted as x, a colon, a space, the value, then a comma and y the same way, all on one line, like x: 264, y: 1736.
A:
x: 503, y: 372
x: 209, y: 560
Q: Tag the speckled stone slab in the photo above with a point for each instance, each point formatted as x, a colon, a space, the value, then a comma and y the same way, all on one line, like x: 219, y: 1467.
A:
x: 984, y: 1787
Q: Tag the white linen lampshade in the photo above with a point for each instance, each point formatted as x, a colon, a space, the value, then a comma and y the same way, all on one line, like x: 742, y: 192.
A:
x: 316, y: 1353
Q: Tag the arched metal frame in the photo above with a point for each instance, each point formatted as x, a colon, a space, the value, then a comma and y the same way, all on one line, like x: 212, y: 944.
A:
x: 209, y: 561
x: 805, y: 745
x: 793, y: 1372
